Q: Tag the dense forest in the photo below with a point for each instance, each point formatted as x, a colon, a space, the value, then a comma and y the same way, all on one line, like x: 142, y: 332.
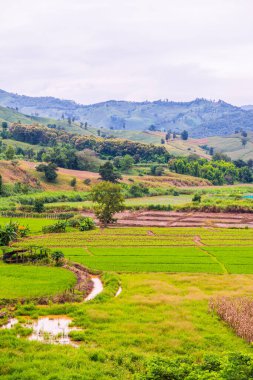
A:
x: 105, y: 148
x: 220, y: 170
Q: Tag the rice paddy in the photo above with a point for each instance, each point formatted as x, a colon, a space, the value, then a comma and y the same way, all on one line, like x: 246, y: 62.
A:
x: 195, y: 250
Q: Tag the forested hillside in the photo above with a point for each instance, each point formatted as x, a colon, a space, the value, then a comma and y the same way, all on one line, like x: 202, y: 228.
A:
x: 201, y: 117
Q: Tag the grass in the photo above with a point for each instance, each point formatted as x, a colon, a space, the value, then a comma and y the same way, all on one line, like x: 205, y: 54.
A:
x: 20, y: 281
x: 163, y: 314
x: 34, y: 224
x: 156, y: 314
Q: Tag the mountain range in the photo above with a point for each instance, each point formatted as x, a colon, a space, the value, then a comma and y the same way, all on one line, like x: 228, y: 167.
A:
x: 200, y: 117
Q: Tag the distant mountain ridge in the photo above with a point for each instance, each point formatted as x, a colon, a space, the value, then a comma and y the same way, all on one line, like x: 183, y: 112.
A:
x: 200, y: 117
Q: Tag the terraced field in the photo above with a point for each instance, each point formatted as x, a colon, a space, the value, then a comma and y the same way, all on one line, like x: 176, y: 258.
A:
x: 200, y: 250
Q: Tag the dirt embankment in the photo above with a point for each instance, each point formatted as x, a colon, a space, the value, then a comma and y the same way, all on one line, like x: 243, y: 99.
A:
x: 181, y: 219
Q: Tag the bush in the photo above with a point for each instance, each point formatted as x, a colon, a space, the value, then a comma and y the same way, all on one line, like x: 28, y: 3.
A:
x: 87, y: 181
x: 12, y: 231
x: 87, y: 224
x: 59, y: 226
x: 38, y: 206
x: 196, y: 198
x: 57, y: 256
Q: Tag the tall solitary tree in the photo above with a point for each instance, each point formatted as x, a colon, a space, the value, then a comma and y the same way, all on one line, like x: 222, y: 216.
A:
x: 108, y: 199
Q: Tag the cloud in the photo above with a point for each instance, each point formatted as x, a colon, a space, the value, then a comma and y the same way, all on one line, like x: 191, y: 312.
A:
x: 137, y: 49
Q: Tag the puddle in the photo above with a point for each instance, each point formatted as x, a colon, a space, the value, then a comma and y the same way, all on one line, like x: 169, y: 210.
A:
x: 97, y: 288
x: 12, y: 322
x: 52, y: 329
x: 118, y: 291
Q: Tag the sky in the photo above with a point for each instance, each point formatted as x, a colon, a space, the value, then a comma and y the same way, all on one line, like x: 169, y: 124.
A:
x: 96, y: 50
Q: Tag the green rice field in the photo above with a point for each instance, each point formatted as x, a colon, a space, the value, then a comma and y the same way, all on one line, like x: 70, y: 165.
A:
x: 21, y: 281
x: 136, y: 249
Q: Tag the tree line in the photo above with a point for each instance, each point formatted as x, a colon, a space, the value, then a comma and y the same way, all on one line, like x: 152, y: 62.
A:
x: 220, y: 170
x: 105, y: 148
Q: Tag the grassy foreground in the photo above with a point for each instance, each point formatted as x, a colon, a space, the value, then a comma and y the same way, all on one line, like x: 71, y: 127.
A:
x: 156, y: 314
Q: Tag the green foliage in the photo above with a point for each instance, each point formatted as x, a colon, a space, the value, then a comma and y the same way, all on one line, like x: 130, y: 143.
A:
x: 87, y: 224
x: 236, y: 366
x: 109, y: 199
x: 196, y: 198
x: 58, y: 256
x: 218, y: 172
x: 73, y: 182
x: 49, y: 171
x: 11, y: 232
x: 124, y: 163
x: 59, y: 226
x: 38, y: 206
x: 108, y: 173
x: 36, y: 134
x: 157, y: 170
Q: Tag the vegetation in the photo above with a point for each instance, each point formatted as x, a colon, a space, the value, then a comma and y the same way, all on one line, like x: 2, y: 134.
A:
x: 24, y: 282
x: 108, y: 173
x: 216, y: 171
x: 108, y: 199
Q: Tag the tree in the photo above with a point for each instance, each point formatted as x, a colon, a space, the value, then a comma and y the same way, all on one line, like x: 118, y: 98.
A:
x: 5, y: 130
x: 126, y: 162
x: 184, y: 135
x: 108, y: 173
x: 1, y: 185
x: 244, y: 142
x: 58, y: 256
x: 49, y: 171
x: 73, y: 182
x: 157, y: 170
x: 167, y: 137
x: 38, y: 206
x: 10, y: 152
x: 4, y: 125
x: 196, y: 198
x: 108, y: 199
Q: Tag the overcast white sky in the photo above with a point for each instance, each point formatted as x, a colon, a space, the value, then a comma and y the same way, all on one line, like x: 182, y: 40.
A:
x: 95, y: 50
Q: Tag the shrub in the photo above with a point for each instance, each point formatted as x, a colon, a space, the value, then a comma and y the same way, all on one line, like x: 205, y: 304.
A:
x: 87, y: 181
x: 87, y: 224
x: 59, y: 226
x: 73, y: 182
x: 57, y: 256
x: 12, y: 231
x: 196, y: 198
x: 38, y: 206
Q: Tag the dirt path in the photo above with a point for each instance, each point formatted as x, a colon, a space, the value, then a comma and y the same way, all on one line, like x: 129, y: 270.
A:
x: 197, y: 240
